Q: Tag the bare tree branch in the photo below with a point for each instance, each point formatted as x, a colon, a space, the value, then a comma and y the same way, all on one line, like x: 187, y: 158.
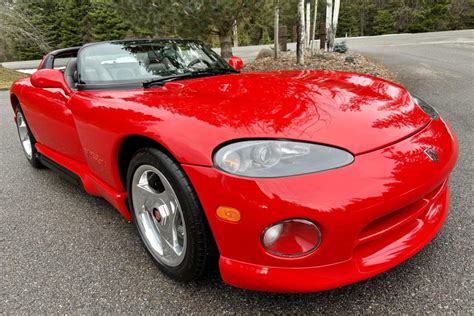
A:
x: 15, y: 24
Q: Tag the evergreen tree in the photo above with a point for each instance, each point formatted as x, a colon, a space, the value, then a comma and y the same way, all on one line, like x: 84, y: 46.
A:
x: 384, y: 23
x: 404, y: 16
x: 155, y: 19
x: 75, y: 24
x: 461, y: 14
x: 106, y: 23
x: 36, y: 23
x: 200, y: 18
x: 32, y: 27
x: 348, y: 23
x: 258, y: 25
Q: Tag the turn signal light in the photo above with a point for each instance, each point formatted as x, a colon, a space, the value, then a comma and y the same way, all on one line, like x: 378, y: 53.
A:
x: 228, y: 213
x: 291, y: 238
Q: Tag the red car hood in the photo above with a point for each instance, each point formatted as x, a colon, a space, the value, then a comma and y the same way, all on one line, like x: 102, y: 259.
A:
x: 352, y: 111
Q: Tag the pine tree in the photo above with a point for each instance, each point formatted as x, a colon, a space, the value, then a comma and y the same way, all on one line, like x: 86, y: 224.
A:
x: 35, y: 18
x: 200, y: 18
x: 33, y: 27
x: 75, y: 27
x: 384, y: 23
x: 106, y: 23
x: 348, y: 23
x: 148, y: 19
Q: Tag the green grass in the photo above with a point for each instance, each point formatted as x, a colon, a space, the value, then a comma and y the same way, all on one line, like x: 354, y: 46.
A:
x: 7, y: 76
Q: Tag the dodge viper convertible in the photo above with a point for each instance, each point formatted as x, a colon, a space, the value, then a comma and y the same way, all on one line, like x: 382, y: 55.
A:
x: 295, y: 181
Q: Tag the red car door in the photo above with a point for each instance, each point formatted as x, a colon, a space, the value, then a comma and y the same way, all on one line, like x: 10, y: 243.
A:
x: 51, y: 120
x: 47, y: 112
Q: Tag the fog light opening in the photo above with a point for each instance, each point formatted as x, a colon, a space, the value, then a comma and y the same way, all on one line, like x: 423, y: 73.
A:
x: 291, y: 238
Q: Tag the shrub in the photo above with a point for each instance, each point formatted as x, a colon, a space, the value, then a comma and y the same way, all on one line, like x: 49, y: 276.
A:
x: 341, y: 47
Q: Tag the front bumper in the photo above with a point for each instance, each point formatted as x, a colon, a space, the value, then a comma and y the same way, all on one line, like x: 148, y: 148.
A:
x: 373, y: 214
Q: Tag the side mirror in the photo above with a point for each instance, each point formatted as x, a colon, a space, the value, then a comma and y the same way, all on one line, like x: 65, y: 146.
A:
x: 236, y: 62
x: 50, y: 78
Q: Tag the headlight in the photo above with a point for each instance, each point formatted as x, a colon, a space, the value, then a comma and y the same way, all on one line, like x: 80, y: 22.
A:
x: 428, y: 109
x: 275, y: 158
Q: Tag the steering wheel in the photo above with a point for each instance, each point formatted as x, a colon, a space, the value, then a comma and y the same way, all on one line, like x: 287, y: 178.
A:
x: 199, y: 60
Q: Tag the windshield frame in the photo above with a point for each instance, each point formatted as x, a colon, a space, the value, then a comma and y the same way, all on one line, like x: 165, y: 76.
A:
x: 227, y: 69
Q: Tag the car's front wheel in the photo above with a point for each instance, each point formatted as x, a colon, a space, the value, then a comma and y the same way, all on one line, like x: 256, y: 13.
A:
x: 27, y: 139
x: 168, y: 215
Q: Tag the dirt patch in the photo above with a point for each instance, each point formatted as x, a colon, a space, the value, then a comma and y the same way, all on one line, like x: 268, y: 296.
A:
x: 7, y: 76
x: 349, y: 61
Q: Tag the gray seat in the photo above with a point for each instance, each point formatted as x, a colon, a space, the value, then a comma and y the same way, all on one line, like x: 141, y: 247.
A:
x: 155, y: 64
x: 70, y: 73
x: 94, y: 72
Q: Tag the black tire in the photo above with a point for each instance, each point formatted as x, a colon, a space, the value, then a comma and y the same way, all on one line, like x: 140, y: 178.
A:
x: 200, y: 251
x: 33, y: 157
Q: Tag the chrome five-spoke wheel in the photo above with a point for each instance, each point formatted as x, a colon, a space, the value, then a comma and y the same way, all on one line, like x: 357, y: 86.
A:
x: 27, y: 139
x: 169, y: 216
x: 159, y: 216
x: 24, y: 135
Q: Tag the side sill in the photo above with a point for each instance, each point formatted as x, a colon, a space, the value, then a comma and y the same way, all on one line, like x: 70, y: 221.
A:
x: 63, y: 172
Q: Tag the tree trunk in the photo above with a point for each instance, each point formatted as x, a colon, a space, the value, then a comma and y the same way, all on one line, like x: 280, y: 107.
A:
x: 226, y: 44
x: 328, y: 24
x: 313, y: 27
x: 335, y: 17
x: 333, y: 26
x: 322, y: 36
x: 276, y: 23
x: 308, y: 24
x: 300, y: 31
x: 335, y: 20
x: 235, y: 34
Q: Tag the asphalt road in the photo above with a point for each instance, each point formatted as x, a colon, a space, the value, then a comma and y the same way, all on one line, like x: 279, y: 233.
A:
x: 64, y: 251
x: 375, y: 44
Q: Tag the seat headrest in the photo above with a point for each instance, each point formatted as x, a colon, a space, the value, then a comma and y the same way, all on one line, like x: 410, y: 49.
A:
x: 70, y: 73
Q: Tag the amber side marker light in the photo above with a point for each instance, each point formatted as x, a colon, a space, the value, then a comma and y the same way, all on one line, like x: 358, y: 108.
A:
x: 229, y: 214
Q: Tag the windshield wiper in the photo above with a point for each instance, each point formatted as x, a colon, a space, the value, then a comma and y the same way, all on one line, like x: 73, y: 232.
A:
x: 192, y: 74
x: 162, y: 80
x: 216, y: 71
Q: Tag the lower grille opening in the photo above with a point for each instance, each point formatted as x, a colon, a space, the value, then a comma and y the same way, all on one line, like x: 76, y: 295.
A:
x: 397, y: 218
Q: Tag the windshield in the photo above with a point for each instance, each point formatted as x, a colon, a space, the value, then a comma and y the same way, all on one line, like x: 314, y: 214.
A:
x: 142, y: 61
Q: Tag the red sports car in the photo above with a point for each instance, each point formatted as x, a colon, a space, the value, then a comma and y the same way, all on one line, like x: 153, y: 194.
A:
x: 294, y: 181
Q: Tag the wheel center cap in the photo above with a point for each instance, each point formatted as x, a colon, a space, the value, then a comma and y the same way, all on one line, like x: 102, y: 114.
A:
x: 157, y: 214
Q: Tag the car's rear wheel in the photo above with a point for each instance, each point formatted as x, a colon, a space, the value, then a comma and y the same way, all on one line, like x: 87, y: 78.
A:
x: 27, y: 139
x: 168, y: 215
